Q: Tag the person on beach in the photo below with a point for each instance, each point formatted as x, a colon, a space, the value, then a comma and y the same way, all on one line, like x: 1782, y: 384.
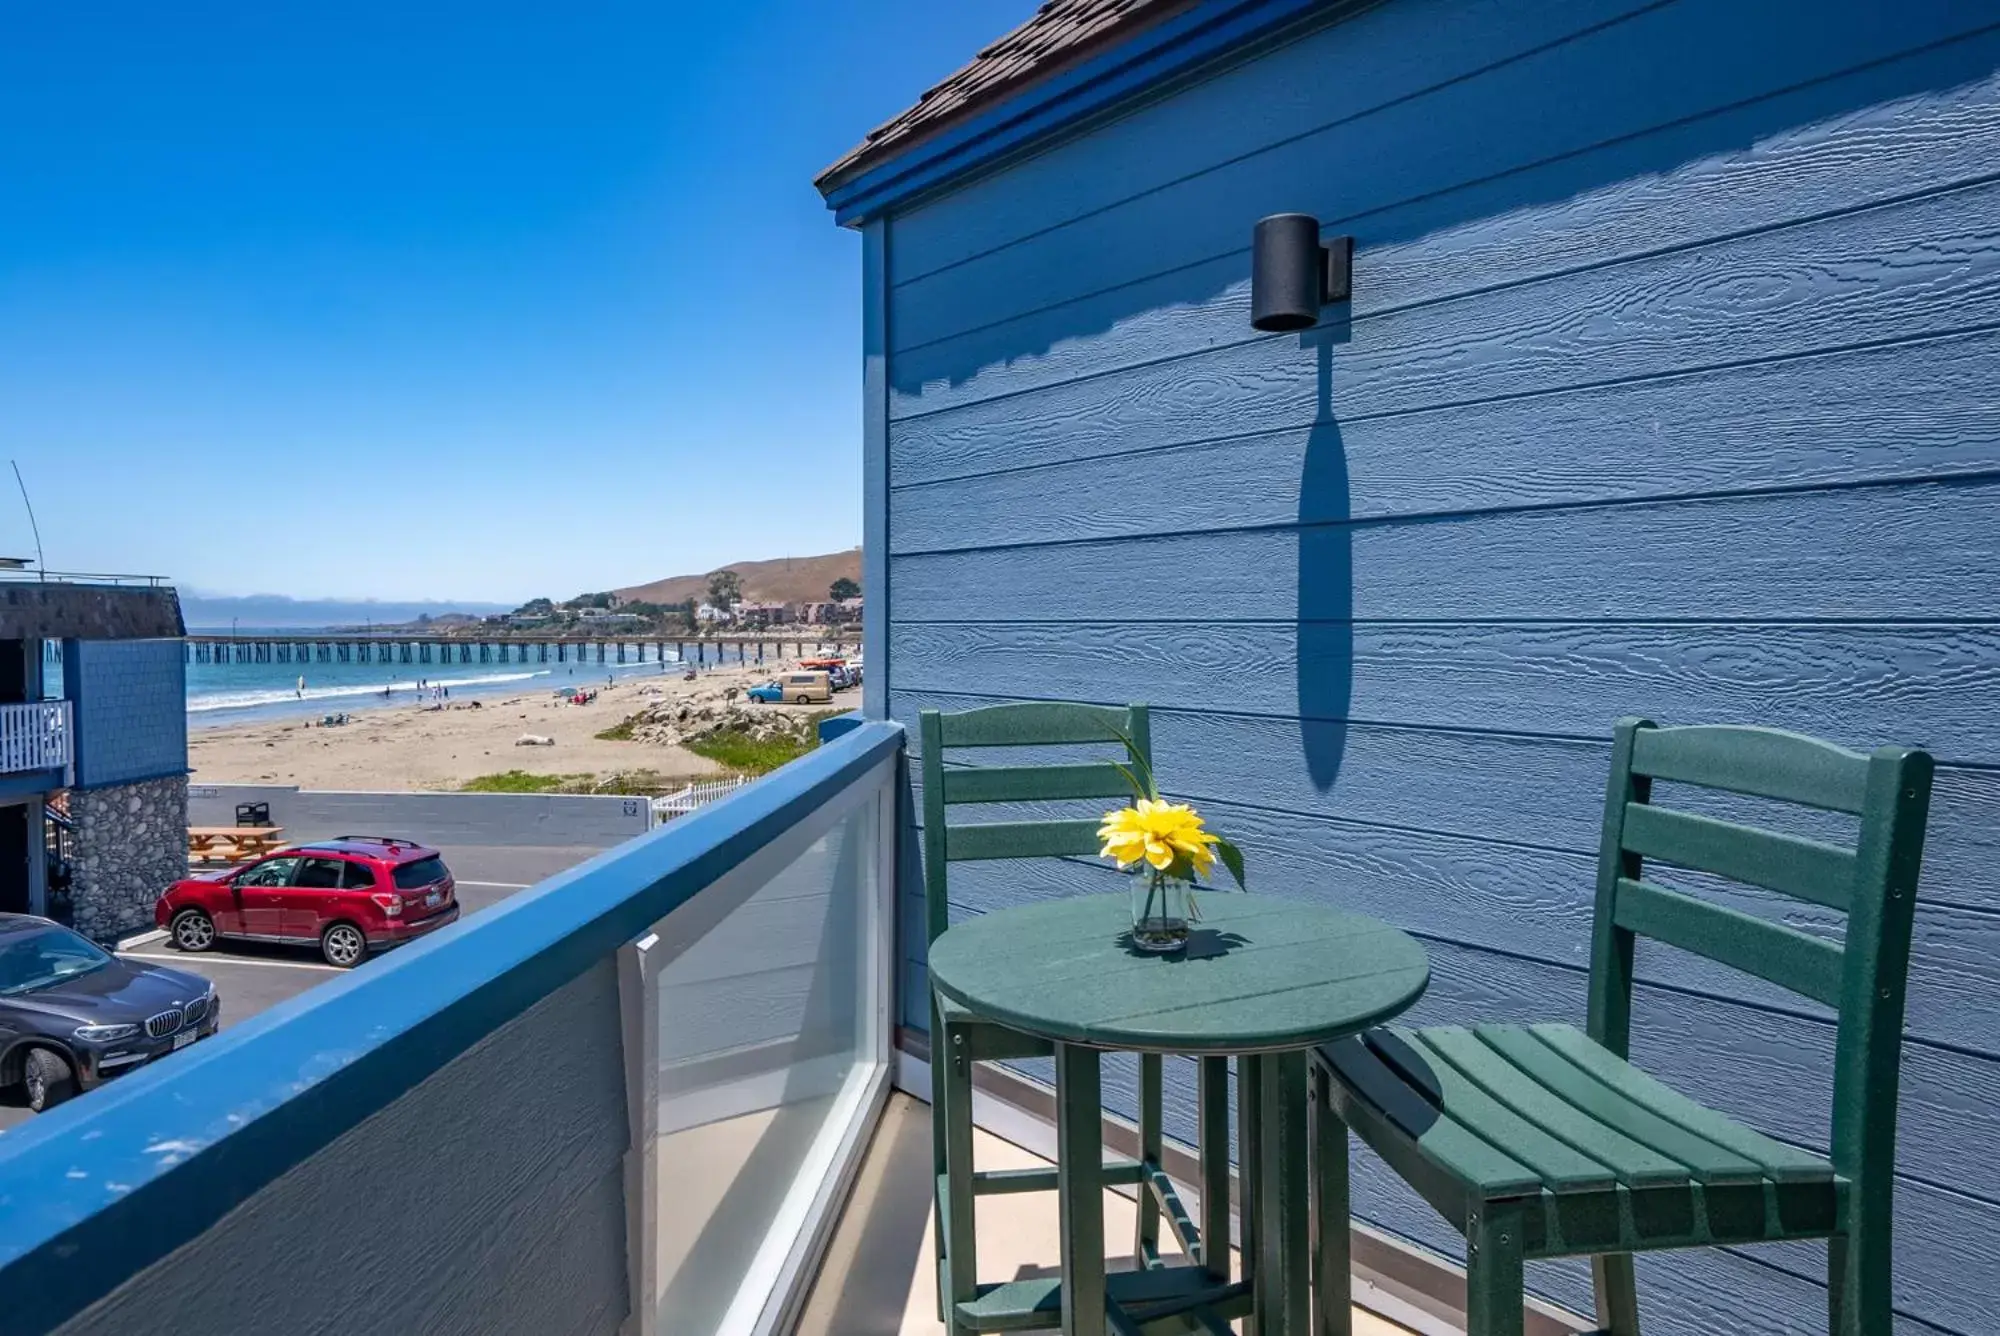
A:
x: 302, y: 686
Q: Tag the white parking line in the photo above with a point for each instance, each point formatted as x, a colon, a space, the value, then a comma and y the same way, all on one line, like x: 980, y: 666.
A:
x: 496, y: 885
x: 191, y: 961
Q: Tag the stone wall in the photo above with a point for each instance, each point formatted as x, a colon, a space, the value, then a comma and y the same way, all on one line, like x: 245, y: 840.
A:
x: 129, y: 843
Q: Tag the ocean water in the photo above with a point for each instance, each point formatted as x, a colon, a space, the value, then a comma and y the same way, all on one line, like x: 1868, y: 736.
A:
x: 231, y: 693
x: 234, y: 693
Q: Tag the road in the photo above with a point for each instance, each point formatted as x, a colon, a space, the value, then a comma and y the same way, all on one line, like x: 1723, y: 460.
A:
x: 253, y: 977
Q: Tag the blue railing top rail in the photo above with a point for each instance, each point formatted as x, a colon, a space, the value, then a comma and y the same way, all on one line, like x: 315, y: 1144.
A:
x: 97, y: 1190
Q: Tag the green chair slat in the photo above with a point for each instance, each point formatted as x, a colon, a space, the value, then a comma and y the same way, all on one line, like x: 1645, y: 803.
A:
x: 1443, y: 1141
x: 1562, y: 1167
x: 1808, y: 965
x: 1035, y: 724
x: 1019, y: 839
x: 1778, y: 1162
x: 1802, y: 868
x: 1030, y: 783
x: 1633, y: 1162
x: 1118, y: 1172
x: 1763, y: 762
x: 1707, y: 1161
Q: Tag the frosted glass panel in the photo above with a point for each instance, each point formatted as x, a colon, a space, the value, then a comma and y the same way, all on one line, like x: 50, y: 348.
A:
x: 767, y: 999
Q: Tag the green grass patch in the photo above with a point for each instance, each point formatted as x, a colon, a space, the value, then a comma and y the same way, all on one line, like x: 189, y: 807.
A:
x: 520, y: 781
x: 630, y: 783
x: 746, y: 755
x: 619, y: 732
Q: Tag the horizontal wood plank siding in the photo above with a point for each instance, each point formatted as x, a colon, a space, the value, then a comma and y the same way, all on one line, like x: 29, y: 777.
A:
x: 1670, y: 385
x: 438, y: 1252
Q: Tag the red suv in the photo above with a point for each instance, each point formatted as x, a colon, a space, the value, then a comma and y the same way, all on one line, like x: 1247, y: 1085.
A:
x: 346, y: 896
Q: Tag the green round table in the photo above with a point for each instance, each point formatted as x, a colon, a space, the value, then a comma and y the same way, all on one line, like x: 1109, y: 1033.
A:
x: 1262, y: 979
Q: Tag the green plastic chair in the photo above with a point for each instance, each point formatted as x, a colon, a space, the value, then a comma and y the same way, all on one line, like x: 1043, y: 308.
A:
x: 1543, y: 1141
x: 960, y: 1038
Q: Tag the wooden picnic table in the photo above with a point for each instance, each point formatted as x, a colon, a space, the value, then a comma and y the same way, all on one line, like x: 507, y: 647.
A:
x: 233, y: 844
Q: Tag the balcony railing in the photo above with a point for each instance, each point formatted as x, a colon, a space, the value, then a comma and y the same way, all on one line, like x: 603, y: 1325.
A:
x: 626, y: 1099
x: 34, y: 735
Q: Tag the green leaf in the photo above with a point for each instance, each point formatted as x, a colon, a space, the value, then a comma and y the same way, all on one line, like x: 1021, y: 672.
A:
x: 1138, y: 790
x: 1149, y: 789
x: 1232, y: 858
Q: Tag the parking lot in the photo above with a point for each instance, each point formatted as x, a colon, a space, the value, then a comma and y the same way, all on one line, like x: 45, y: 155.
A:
x: 253, y: 977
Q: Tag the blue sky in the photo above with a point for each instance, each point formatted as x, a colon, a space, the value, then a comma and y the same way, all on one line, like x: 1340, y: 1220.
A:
x: 444, y: 300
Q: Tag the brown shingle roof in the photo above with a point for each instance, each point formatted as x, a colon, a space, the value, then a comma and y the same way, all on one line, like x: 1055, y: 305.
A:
x: 1061, y: 33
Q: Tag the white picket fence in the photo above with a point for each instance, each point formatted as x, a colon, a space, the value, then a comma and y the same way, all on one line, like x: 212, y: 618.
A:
x: 671, y: 805
x: 34, y: 735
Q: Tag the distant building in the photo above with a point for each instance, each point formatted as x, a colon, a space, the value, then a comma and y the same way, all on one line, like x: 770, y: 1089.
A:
x: 606, y: 617
x: 93, y: 781
x: 766, y: 614
x: 708, y: 613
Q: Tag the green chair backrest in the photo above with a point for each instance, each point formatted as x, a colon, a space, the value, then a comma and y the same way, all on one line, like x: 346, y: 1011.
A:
x: 1026, y: 724
x: 1874, y: 884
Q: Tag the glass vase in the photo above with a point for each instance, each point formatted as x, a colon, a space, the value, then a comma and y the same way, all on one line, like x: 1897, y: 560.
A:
x: 1162, y: 910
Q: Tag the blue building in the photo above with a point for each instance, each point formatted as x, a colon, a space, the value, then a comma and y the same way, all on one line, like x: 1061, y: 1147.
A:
x: 93, y: 750
x: 1667, y: 386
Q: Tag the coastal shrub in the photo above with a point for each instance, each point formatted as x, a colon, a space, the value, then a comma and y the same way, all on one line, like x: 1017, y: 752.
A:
x: 520, y: 781
x: 629, y: 784
x: 620, y: 731
x: 747, y: 754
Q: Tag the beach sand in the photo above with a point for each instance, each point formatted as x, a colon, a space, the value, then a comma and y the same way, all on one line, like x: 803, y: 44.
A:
x: 403, y: 747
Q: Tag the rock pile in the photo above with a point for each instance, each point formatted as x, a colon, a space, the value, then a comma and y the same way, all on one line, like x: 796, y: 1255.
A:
x: 672, y: 722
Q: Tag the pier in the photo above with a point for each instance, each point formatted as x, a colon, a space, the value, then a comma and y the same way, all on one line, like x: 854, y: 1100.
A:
x: 397, y: 649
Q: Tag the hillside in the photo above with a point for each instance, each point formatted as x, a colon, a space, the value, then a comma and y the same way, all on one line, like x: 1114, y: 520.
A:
x: 781, y: 580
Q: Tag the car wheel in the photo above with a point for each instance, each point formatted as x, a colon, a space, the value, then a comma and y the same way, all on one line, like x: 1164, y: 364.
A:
x: 48, y: 1078
x: 798, y: 700
x: 193, y: 930
x: 343, y: 945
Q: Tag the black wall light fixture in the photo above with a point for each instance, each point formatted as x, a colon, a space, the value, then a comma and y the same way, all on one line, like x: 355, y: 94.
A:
x: 1293, y: 273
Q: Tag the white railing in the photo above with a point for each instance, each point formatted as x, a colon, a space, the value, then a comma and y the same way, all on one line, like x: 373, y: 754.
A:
x: 34, y: 735
x: 683, y: 801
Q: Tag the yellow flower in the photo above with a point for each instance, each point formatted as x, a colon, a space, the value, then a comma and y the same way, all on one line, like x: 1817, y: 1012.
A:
x: 1165, y: 835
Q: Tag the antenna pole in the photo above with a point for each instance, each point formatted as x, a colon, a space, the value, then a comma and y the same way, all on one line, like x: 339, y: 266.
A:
x: 41, y: 566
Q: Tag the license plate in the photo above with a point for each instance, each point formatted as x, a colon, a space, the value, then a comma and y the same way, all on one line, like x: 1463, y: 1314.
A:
x: 184, y: 1038
x: 434, y: 899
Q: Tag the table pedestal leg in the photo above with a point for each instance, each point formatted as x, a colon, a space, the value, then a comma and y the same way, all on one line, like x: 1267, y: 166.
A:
x: 1213, y: 1096
x: 1250, y: 1186
x: 1146, y: 1233
x: 1080, y: 1183
x: 1285, y: 1247
x: 1333, y: 1266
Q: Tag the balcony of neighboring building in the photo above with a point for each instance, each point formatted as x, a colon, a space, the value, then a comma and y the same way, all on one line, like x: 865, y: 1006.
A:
x: 36, y: 737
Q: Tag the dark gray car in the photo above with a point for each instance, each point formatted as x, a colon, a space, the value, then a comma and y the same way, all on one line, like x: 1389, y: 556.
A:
x: 73, y: 1015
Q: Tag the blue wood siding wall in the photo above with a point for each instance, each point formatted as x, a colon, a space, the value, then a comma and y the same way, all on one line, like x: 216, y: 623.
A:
x: 1668, y: 386
x: 129, y: 698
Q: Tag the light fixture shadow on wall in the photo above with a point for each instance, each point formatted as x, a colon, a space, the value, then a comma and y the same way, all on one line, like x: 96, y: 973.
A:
x: 1293, y: 273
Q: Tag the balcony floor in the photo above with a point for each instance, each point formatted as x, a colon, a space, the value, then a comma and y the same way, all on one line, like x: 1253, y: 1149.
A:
x: 878, y: 1279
